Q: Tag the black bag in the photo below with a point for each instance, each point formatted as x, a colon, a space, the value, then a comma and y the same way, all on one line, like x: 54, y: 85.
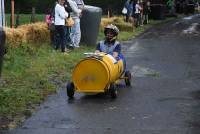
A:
x: 67, y: 7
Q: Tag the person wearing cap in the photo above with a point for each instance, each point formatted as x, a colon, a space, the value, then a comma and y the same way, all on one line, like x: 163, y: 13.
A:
x: 110, y: 45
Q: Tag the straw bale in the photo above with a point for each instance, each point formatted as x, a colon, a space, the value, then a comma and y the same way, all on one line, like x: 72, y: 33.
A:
x: 29, y: 33
x: 14, y: 37
x: 118, y: 21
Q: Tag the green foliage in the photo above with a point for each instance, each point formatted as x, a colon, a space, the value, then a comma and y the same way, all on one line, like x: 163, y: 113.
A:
x: 25, y: 6
x: 170, y: 3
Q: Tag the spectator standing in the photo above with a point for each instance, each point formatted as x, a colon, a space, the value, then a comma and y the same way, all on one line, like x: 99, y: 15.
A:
x: 198, y: 7
x: 49, y: 19
x: 133, y: 15
x: 137, y: 13
x: 60, y: 16
x: 141, y: 13
x: 146, y: 11
x: 68, y: 9
x: 77, y: 7
x: 129, y: 7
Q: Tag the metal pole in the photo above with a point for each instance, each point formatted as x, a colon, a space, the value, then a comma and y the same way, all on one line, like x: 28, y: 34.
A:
x: 12, y: 13
x: 2, y: 14
x: 2, y: 33
x: 1, y: 17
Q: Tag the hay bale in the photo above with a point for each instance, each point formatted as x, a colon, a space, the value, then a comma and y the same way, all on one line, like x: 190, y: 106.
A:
x: 36, y: 33
x: 14, y: 37
x: 118, y: 21
x: 124, y: 26
x: 29, y: 33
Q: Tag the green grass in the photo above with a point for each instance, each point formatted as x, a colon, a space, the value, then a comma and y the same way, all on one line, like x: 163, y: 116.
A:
x: 25, y: 18
x: 30, y: 73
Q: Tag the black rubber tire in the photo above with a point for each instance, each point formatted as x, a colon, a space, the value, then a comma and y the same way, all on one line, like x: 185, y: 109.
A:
x: 113, y: 91
x: 127, y: 79
x: 70, y: 89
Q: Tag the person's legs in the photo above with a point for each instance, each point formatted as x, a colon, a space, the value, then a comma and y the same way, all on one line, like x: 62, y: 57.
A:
x: 76, y: 33
x: 57, y: 37
x: 126, y: 18
x: 137, y: 19
x: 141, y: 19
x: 65, y: 33
x: 147, y: 18
x: 133, y: 22
x: 52, y: 41
x: 68, y: 39
x: 62, y: 38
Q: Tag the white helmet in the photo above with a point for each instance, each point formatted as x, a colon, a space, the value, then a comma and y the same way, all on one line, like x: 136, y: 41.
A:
x: 113, y: 28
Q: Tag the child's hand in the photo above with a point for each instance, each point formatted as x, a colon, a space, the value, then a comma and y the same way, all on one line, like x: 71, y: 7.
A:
x: 97, y: 52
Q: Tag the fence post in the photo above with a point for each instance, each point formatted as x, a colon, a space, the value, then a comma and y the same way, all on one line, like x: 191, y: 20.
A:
x: 12, y: 14
x: 33, y: 18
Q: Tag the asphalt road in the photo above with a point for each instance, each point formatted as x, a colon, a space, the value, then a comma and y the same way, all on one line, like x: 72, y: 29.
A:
x: 164, y: 97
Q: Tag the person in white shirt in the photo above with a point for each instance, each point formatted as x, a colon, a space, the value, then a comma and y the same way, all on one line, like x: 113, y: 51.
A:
x: 138, y: 9
x: 60, y: 16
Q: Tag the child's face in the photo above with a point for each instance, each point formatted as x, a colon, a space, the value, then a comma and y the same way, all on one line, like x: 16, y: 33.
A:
x: 109, y: 35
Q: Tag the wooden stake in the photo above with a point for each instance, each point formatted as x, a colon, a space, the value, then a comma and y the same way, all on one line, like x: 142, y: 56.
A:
x: 12, y: 13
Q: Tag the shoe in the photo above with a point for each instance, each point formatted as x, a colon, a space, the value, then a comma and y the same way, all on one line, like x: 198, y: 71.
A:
x: 76, y: 46
x: 71, y: 47
x: 67, y: 50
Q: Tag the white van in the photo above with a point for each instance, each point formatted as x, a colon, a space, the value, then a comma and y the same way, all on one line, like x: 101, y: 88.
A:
x: 2, y: 33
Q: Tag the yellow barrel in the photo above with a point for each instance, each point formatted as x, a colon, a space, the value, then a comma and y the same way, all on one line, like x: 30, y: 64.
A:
x: 94, y: 74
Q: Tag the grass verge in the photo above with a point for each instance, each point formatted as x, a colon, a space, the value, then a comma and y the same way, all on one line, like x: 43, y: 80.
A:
x: 30, y: 73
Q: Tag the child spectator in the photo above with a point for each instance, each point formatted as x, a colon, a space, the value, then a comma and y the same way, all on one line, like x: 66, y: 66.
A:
x: 49, y: 19
x: 60, y: 16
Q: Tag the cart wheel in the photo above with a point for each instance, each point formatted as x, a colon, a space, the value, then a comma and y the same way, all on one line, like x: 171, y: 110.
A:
x: 70, y: 89
x: 113, y: 90
x: 127, y: 78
